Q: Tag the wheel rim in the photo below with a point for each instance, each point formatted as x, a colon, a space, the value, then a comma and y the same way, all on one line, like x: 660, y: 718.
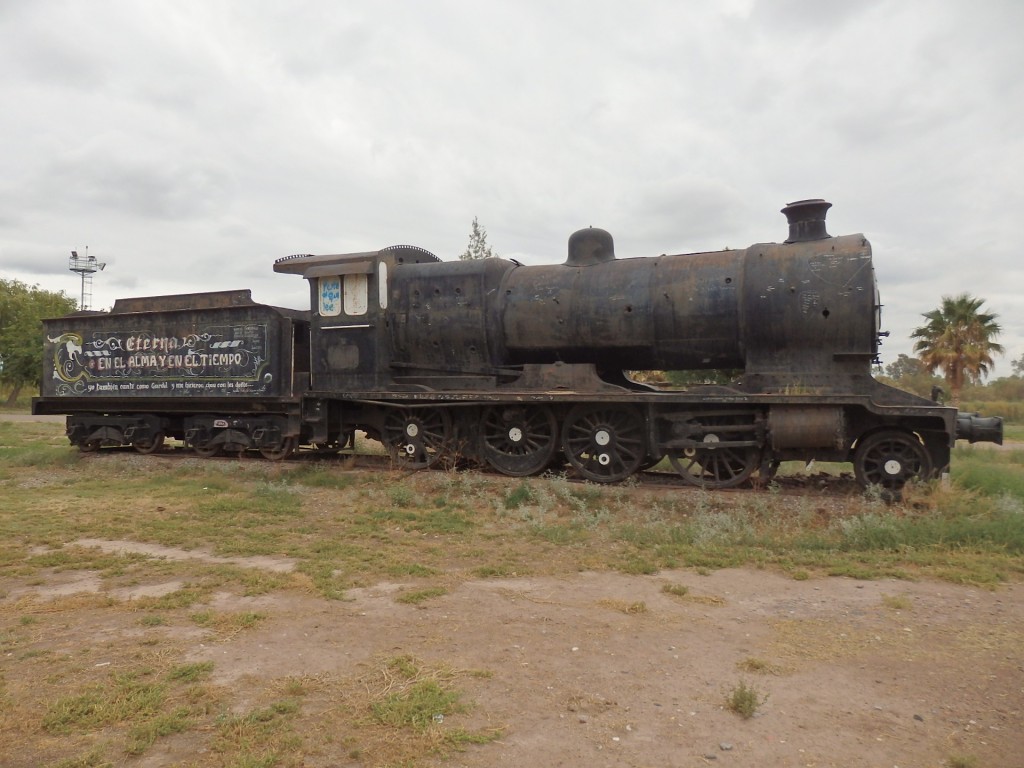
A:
x: 890, y: 460
x: 154, y: 444
x: 519, y: 441
x: 282, y: 451
x: 417, y: 439
x: 604, y: 443
x: 711, y: 465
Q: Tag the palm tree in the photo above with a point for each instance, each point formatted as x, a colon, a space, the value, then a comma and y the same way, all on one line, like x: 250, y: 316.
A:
x: 958, y: 339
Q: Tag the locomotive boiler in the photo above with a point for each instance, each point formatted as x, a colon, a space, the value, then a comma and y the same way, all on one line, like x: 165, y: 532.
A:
x: 524, y: 368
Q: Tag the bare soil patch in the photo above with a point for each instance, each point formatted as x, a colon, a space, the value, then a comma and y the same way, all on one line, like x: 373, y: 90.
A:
x: 606, y: 669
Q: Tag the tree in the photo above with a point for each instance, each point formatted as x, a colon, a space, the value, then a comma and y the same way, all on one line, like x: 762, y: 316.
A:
x: 905, y: 367
x: 22, y: 309
x: 910, y: 375
x: 1018, y: 366
x: 958, y: 339
x: 478, y: 247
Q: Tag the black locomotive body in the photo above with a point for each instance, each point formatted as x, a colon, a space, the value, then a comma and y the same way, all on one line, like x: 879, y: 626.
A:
x: 525, y: 367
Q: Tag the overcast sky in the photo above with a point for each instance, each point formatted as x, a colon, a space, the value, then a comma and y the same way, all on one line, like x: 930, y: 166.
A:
x: 189, y: 143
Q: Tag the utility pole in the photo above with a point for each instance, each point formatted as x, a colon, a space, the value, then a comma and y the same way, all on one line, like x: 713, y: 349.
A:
x: 85, y: 266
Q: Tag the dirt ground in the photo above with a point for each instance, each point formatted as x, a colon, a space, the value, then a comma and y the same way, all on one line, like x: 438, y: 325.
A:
x: 606, y: 669
x: 880, y: 673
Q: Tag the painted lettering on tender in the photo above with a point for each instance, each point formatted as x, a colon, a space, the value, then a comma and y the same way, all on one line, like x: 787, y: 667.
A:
x: 216, y: 359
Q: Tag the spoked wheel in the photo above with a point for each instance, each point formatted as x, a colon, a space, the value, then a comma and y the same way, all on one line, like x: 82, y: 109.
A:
x: 417, y: 438
x: 282, y: 451
x: 604, y: 443
x: 153, y: 445
x: 890, y: 460
x: 710, y: 464
x: 519, y: 440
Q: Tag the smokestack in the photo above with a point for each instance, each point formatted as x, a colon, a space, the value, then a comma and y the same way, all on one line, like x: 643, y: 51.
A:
x: 807, y: 220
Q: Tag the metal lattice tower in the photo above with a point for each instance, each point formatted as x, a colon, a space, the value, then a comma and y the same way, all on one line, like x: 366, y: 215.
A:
x: 85, y: 266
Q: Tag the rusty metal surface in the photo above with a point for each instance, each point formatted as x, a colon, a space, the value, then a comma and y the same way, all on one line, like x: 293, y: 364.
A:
x: 806, y: 426
x: 773, y: 310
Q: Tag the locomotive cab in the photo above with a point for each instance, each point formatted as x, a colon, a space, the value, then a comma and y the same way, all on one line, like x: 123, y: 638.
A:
x: 349, y: 297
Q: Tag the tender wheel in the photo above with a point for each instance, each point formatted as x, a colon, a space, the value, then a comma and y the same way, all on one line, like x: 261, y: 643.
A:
x: 710, y: 465
x: 207, y: 448
x: 604, y: 443
x: 153, y: 445
x: 890, y: 460
x: 282, y: 451
x: 417, y: 438
x: 519, y: 440
x: 89, y: 446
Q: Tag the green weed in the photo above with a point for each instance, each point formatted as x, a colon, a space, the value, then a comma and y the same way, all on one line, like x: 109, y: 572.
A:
x: 744, y: 700
x: 519, y: 496
x: 420, y: 595
x: 418, y: 706
x: 126, y: 698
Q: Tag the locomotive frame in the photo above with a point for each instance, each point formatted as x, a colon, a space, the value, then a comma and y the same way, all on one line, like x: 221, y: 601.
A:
x: 521, y: 368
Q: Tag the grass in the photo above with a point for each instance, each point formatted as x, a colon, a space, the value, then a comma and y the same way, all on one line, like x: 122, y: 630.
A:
x: 897, y: 602
x: 340, y: 529
x: 744, y: 699
x: 417, y: 596
x: 962, y: 761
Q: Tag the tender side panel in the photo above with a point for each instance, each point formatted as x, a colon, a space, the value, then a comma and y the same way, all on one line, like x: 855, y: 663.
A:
x: 227, y: 352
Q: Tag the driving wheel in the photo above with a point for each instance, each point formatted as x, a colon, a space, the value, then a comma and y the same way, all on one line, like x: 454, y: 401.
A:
x: 604, y: 443
x: 708, y: 464
x: 519, y: 440
x: 417, y: 438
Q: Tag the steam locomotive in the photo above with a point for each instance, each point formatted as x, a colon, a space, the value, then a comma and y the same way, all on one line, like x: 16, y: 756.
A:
x: 521, y: 368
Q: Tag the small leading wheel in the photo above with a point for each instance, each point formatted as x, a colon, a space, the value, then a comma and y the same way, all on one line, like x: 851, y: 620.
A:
x: 519, y: 440
x: 417, y: 438
x: 710, y: 465
x: 281, y: 451
x: 605, y: 443
x: 153, y: 445
x: 890, y: 459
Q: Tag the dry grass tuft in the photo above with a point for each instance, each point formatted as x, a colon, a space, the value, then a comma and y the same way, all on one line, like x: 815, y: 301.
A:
x: 624, y: 606
x: 759, y: 666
